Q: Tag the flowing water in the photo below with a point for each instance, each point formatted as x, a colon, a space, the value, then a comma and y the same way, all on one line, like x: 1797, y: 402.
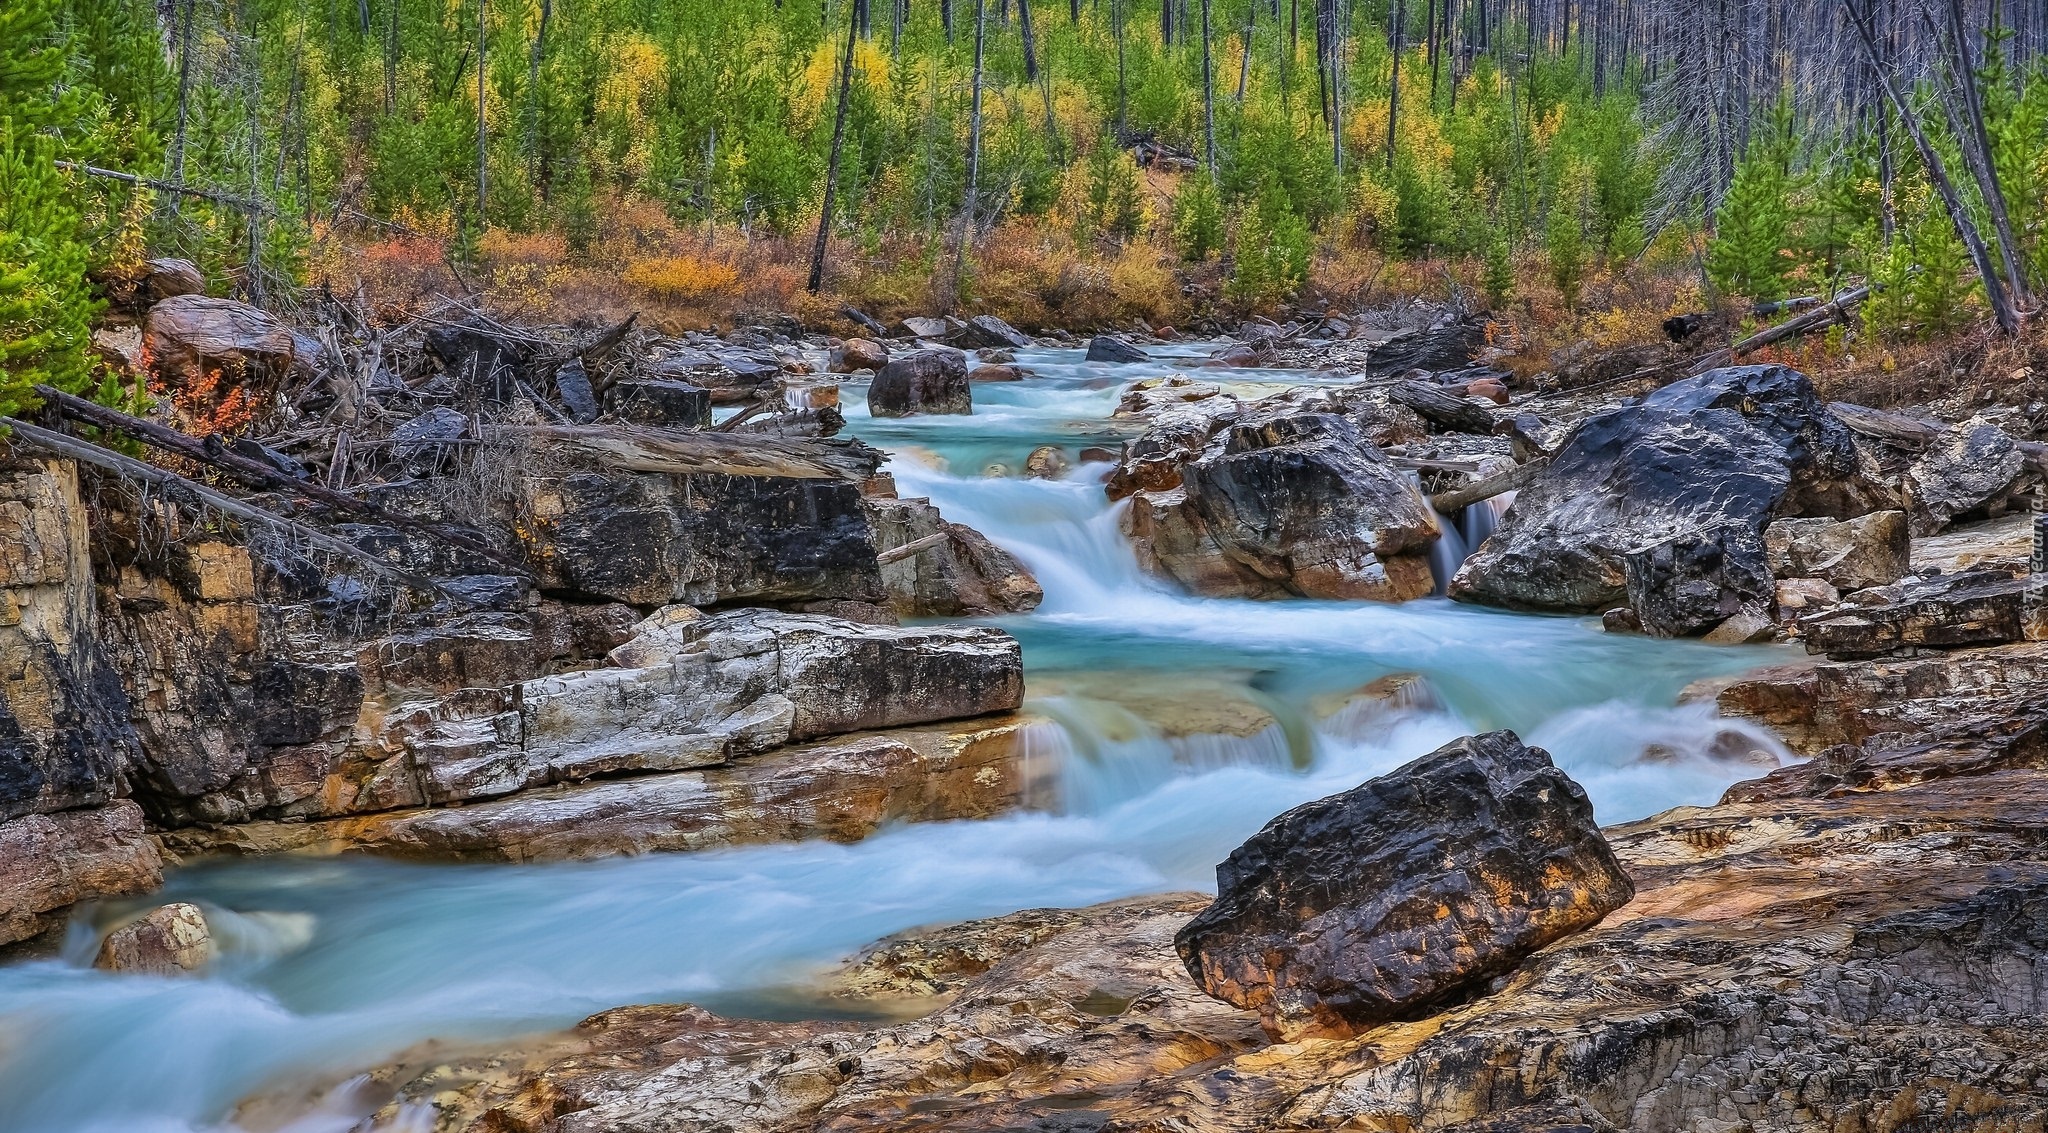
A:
x: 1175, y: 727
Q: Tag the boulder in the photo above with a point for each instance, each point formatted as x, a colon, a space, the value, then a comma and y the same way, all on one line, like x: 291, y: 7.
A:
x: 1109, y: 348
x: 1405, y: 894
x: 187, y: 337
x: 480, y: 359
x: 428, y: 440
x: 999, y: 372
x: 859, y: 354
x: 924, y: 326
x: 169, y: 940
x: 579, y: 397
x: 731, y: 377
x: 660, y: 401
x: 1661, y: 506
x: 938, y: 569
x: 651, y: 538
x: 1972, y: 468
x: 50, y: 861
x: 1851, y: 554
x: 1047, y: 462
x: 1289, y: 502
x: 988, y: 332
x: 1449, y: 345
x: 168, y: 278
x: 1949, y: 611
x: 929, y: 381
x: 710, y: 689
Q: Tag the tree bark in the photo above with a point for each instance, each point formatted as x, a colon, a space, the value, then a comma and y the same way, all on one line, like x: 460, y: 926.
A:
x: 817, y: 279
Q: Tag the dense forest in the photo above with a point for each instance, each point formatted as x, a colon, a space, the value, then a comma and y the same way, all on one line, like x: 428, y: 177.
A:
x: 1078, y: 163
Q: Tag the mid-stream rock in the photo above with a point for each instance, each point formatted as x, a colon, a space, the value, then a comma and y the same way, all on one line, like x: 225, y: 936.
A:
x: 1288, y: 503
x: 933, y: 568
x: 1399, y: 895
x: 50, y: 861
x: 1109, y: 348
x: 168, y: 940
x: 929, y: 381
x: 1662, y: 506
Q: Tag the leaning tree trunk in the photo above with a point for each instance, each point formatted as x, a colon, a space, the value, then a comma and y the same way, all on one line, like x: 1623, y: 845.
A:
x: 1208, y: 98
x: 1937, y: 171
x: 1394, y: 91
x: 817, y: 279
x: 1977, y: 149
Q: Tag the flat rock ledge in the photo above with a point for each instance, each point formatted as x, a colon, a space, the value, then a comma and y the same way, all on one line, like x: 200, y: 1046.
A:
x: 1875, y: 960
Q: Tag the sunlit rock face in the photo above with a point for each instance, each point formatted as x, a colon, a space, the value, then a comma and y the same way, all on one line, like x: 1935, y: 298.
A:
x: 1413, y: 889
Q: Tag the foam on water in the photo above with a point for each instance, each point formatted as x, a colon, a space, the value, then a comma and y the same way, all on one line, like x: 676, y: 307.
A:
x: 330, y: 965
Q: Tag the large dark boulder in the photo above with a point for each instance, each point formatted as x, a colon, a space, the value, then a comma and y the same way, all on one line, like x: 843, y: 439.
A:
x: 929, y: 381
x: 1661, y: 506
x: 1404, y: 894
x: 1109, y: 348
x: 986, y: 332
x: 660, y: 401
x: 1293, y: 502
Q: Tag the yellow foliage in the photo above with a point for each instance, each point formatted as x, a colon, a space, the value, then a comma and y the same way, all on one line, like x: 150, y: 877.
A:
x: 680, y: 277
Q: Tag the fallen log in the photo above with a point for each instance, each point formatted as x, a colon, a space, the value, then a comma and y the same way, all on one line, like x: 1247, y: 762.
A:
x: 911, y: 549
x: 1512, y: 480
x: 1914, y: 434
x: 730, y: 454
x: 127, y: 467
x: 865, y: 321
x: 1791, y: 328
x: 1442, y: 407
x: 256, y: 474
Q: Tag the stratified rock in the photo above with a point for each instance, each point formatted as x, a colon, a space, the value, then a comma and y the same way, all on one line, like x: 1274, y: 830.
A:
x: 662, y: 402
x: 651, y: 538
x: 730, y: 685
x: 1870, y: 550
x: 50, y: 861
x: 1662, y: 506
x: 924, y: 326
x: 929, y: 381
x: 429, y: 439
x: 168, y: 278
x: 188, y: 336
x: 1447, y: 346
x: 1398, y: 896
x: 1109, y: 348
x: 986, y: 332
x: 1287, y: 503
x: 859, y: 354
x: 951, y: 570
x: 1985, y: 607
x: 1974, y: 466
x: 169, y: 940
x: 731, y: 377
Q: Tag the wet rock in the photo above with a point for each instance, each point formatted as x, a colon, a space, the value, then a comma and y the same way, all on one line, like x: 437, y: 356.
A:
x: 428, y: 440
x: 572, y: 382
x: 924, y: 326
x: 1945, y: 612
x: 1287, y: 503
x: 1662, y: 506
x: 50, y: 861
x: 988, y: 332
x: 929, y: 381
x: 858, y: 354
x: 1001, y: 372
x: 649, y: 538
x: 940, y: 569
x: 845, y: 788
x: 1806, y: 594
x: 1047, y: 462
x: 187, y: 336
x: 1870, y: 550
x: 1109, y: 348
x: 169, y: 940
x: 1448, y: 345
x: 660, y: 402
x: 1974, y: 466
x: 1394, y: 898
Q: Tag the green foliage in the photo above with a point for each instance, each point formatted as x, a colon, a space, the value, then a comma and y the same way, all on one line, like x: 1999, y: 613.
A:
x: 1198, y: 220
x: 1270, y: 252
x: 1564, y: 241
x: 46, y: 309
x: 1500, y: 268
x: 1112, y: 208
x: 1753, y: 226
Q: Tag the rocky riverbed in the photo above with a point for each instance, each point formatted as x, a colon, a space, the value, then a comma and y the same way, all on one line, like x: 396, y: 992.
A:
x: 667, y: 692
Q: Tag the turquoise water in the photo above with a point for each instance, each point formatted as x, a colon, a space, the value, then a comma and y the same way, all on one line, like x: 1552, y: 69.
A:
x: 328, y: 966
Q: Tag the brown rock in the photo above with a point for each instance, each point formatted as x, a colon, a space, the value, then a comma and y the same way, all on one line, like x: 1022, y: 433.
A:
x: 859, y: 354
x: 951, y: 570
x: 169, y: 940
x: 1870, y: 550
x: 50, y: 861
x: 169, y: 278
x: 1387, y: 900
x: 1000, y: 372
x: 1806, y: 594
x: 189, y: 336
x: 1047, y: 462
x: 1945, y: 612
x: 928, y: 381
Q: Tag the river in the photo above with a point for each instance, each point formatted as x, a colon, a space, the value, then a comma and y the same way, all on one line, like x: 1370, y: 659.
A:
x: 329, y: 965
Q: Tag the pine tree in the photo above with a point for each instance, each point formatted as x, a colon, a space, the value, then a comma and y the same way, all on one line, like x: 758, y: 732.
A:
x: 1753, y: 226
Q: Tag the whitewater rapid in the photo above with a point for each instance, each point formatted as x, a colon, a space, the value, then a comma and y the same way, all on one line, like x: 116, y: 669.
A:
x: 331, y: 965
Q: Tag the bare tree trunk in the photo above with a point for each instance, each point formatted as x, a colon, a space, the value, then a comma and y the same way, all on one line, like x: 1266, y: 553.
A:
x: 817, y: 279
x: 483, y: 182
x: 1394, y: 90
x: 187, y: 15
x: 1975, y: 142
x: 1244, y: 62
x: 390, y: 57
x: 1119, y: 12
x: 1208, y: 98
x: 1937, y: 171
x: 967, y: 203
x: 1030, y: 41
x: 540, y: 42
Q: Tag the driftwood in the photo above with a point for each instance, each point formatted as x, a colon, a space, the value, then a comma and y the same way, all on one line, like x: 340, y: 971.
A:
x: 85, y: 452
x: 1791, y: 328
x: 1914, y: 434
x: 1442, y: 407
x: 1513, y: 479
x: 257, y: 474
x: 243, y: 203
x: 865, y: 321
x: 912, y: 549
x: 669, y: 450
